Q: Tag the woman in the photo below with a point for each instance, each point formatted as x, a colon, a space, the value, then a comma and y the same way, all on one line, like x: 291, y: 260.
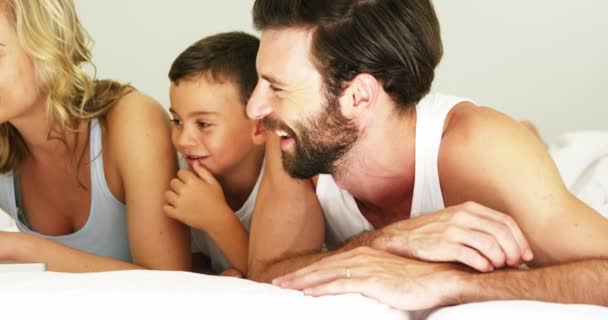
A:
x: 81, y: 207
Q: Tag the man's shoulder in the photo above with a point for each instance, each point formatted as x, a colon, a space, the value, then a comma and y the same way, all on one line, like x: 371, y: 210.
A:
x: 470, y: 126
x: 478, y: 149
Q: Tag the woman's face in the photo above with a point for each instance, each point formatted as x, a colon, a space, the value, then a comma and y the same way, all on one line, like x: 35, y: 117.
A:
x: 19, y: 92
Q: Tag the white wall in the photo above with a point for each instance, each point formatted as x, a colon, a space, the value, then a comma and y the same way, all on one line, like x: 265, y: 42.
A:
x: 137, y: 40
x: 543, y: 60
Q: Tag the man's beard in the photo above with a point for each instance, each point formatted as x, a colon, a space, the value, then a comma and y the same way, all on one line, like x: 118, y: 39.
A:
x: 323, y: 140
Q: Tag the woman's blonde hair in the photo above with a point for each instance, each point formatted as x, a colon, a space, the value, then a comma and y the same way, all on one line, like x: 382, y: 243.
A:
x: 51, y: 34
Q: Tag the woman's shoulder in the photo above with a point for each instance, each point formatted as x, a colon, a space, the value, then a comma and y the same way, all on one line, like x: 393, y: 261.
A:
x: 135, y: 106
x: 136, y: 124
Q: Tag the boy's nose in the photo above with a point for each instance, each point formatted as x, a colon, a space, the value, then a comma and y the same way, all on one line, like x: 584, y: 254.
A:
x: 185, y: 139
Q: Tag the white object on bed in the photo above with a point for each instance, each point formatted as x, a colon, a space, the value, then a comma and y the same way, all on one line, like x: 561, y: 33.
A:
x: 7, y: 223
x: 17, y: 266
x: 582, y: 159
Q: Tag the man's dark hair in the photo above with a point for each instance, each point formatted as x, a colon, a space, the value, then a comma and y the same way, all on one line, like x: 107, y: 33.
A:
x: 396, y: 41
x: 224, y: 56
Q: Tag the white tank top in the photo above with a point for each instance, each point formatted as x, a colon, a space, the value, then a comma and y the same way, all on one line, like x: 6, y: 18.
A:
x: 202, y: 242
x: 105, y: 232
x: 344, y: 220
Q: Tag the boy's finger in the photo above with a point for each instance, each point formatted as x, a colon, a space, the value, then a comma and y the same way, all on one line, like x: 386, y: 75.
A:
x: 203, y: 173
x: 170, y: 211
x: 171, y: 198
x: 185, y: 175
x: 176, y: 185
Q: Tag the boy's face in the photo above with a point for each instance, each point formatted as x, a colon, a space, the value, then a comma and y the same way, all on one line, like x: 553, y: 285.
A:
x: 209, y: 124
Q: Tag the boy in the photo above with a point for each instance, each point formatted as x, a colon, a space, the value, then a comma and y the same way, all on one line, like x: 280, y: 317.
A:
x: 211, y: 82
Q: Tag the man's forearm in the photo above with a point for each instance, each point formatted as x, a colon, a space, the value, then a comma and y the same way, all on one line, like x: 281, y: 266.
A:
x: 584, y: 282
x: 266, y: 272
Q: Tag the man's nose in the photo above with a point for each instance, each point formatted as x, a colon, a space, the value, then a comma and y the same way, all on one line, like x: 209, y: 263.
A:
x: 258, y: 107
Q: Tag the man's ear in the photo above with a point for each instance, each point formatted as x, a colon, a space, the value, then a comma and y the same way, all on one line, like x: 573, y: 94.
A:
x: 259, y: 133
x: 359, y: 96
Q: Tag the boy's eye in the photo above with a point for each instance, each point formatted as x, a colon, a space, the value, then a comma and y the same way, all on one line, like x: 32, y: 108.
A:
x: 175, y: 122
x: 202, y: 124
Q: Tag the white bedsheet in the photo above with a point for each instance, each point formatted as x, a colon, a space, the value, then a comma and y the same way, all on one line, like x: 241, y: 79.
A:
x: 169, y: 295
x: 582, y: 160
x: 520, y: 310
x: 182, y: 295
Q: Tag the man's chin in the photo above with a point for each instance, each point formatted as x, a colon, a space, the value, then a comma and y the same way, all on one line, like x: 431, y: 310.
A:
x: 299, y: 170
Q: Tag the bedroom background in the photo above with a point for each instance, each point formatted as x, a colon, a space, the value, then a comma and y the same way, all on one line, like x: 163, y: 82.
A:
x: 542, y: 60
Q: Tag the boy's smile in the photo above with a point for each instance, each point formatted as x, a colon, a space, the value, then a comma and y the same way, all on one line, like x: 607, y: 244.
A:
x: 190, y: 159
x: 209, y: 123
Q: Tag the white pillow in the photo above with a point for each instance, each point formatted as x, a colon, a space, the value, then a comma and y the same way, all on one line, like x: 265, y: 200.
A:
x: 7, y: 223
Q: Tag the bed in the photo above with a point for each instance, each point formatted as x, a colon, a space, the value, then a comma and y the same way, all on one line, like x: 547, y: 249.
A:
x: 184, y: 295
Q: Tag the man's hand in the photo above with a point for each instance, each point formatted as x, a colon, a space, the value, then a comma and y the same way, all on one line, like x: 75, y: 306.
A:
x: 472, y: 234
x: 196, y: 199
x: 399, y: 282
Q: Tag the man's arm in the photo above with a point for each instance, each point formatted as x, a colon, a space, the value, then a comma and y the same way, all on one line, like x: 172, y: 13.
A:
x: 414, y: 285
x: 583, y: 282
x: 490, y: 159
x: 287, y: 224
x: 277, y: 269
x: 287, y: 230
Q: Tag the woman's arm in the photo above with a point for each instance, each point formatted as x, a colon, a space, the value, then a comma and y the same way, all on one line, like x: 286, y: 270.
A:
x: 138, y: 149
x: 19, y: 246
x: 139, y: 162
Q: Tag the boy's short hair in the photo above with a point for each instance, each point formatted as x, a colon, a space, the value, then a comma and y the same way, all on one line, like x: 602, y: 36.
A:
x: 226, y: 56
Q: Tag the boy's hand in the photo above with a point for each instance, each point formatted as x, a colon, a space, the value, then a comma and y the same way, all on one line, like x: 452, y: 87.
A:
x: 196, y: 199
x: 231, y: 272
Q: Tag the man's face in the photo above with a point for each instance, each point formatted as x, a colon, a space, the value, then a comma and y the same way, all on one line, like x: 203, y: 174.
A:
x: 293, y: 103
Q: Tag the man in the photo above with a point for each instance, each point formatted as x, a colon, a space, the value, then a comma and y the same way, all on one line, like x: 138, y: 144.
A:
x: 408, y: 178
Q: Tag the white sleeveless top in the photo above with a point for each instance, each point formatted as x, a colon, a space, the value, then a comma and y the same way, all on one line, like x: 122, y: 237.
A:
x: 105, y: 232
x: 202, y: 242
x: 344, y: 220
